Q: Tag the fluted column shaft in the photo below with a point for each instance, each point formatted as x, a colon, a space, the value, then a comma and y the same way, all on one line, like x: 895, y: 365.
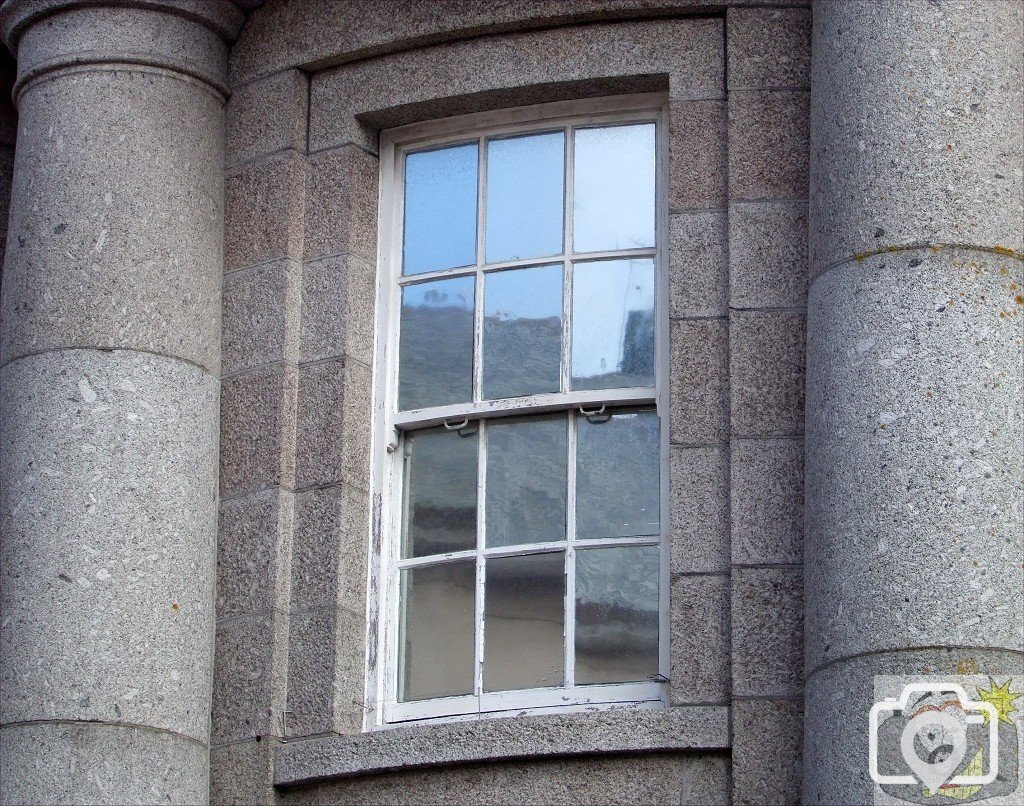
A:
x: 915, y: 443
x: 109, y: 362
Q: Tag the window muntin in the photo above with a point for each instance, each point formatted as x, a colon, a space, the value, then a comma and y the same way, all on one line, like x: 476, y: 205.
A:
x: 569, y: 342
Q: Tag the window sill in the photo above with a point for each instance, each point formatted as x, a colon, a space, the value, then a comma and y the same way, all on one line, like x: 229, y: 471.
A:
x: 695, y: 727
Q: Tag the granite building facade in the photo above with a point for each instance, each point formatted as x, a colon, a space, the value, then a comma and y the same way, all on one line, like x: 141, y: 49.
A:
x: 191, y: 583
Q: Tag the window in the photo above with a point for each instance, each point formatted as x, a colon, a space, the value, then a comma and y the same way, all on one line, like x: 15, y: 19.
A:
x: 520, y: 418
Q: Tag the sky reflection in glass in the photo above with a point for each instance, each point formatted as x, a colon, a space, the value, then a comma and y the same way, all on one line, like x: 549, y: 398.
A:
x: 440, y: 209
x: 525, y: 193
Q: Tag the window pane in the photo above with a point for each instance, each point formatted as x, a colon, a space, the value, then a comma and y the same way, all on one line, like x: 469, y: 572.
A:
x: 618, y: 487
x: 617, y: 614
x: 525, y: 193
x: 613, y: 324
x: 524, y: 609
x: 522, y: 332
x: 526, y: 481
x: 613, y: 195
x: 435, y: 352
x: 438, y: 632
x: 440, y: 209
x: 440, y: 492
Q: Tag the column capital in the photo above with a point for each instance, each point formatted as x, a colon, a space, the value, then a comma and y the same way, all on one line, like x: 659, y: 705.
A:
x: 184, y: 36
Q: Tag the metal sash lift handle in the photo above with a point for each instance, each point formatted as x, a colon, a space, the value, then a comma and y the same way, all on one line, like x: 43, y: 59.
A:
x: 595, y: 416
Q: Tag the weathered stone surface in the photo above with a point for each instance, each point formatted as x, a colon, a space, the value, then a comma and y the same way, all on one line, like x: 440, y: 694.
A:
x: 257, y: 429
x: 79, y: 273
x: 263, y: 204
x: 839, y: 699
x: 768, y: 48
x: 107, y: 483
x: 699, y: 639
x: 767, y: 752
x: 914, y: 461
x: 766, y: 373
x: 249, y: 677
x: 768, y: 254
x: 525, y: 68
x: 767, y: 632
x: 768, y: 145
x: 767, y: 509
x: 940, y: 157
x: 253, y: 549
x: 698, y: 280
x: 341, y: 204
x: 84, y: 762
x: 338, y: 298
x: 260, y: 316
x: 697, y: 155
x: 620, y: 730
x: 266, y: 116
x: 699, y: 381
x: 699, y: 509
x: 321, y: 414
x: 241, y: 774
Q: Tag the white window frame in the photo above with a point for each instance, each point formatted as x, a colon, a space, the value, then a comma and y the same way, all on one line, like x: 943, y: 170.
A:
x: 381, y: 706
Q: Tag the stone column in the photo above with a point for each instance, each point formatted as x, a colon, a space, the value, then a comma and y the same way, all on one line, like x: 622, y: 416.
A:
x: 914, y: 403
x: 110, y: 354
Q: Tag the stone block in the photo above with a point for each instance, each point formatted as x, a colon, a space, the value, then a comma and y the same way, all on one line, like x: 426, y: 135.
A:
x: 914, y: 461
x: 707, y: 783
x: 699, y: 381
x: 697, y: 155
x: 698, y: 269
x: 768, y: 48
x: 767, y: 752
x: 263, y: 207
x: 937, y: 157
x: 766, y: 372
x: 249, y: 676
x: 253, y: 547
x: 767, y: 487
x: 260, y: 316
x: 322, y: 410
x: 85, y: 762
x: 699, y: 639
x: 768, y: 254
x: 267, y: 115
x: 257, y: 429
x: 356, y: 439
x: 116, y: 247
x: 241, y: 774
x: 768, y: 145
x: 338, y: 307
x: 767, y: 632
x: 341, y: 204
x: 108, y: 515
x: 699, y: 509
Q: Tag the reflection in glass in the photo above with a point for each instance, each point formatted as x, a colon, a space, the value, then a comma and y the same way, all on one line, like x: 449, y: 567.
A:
x: 522, y: 332
x: 617, y: 614
x: 435, y: 351
x: 440, y: 209
x: 526, y: 462
x: 613, y: 196
x: 439, y: 507
x: 525, y: 192
x: 436, y: 647
x: 613, y: 324
x: 524, y: 614
x: 618, y: 487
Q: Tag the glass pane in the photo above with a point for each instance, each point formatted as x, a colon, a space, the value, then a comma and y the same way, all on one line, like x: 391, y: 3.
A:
x: 525, y: 196
x: 439, y: 492
x: 613, y: 324
x: 613, y: 194
x: 617, y: 614
x: 524, y: 615
x: 438, y: 631
x: 435, y: 351
x: 618, y: 486
x: 440, y: 209
x: 526, y: 480
x: 522, y: 332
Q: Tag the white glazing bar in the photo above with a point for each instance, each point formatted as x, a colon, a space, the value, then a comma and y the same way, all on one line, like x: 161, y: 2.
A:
x: 481, y: 562
x: 570, y: 556
x: 478, y: 288
x: 436, y: 559
x: 570, y: 156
